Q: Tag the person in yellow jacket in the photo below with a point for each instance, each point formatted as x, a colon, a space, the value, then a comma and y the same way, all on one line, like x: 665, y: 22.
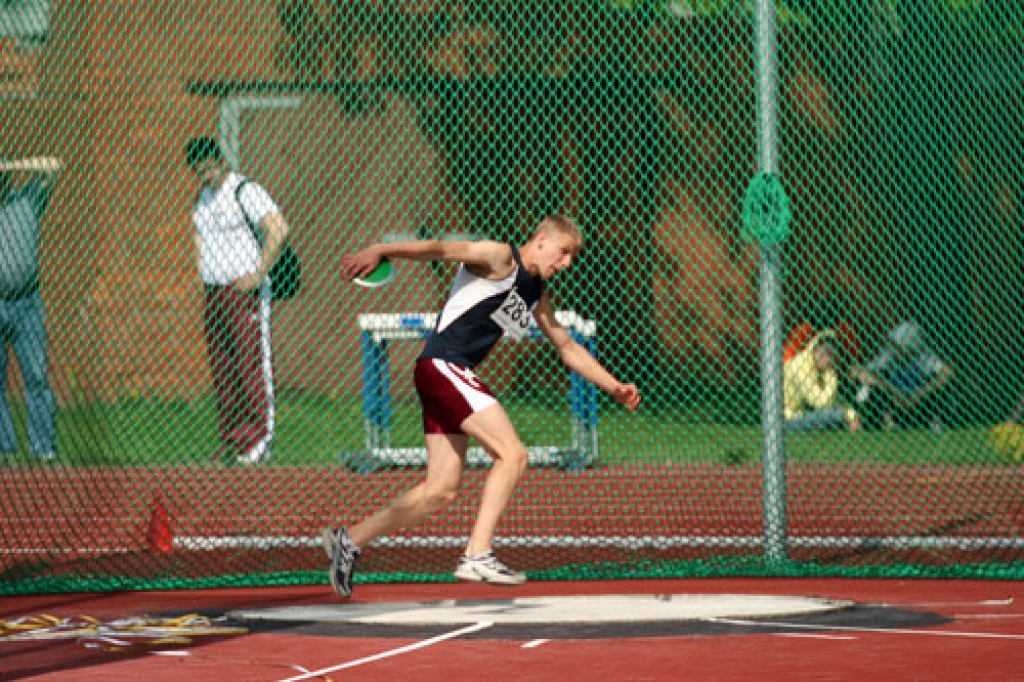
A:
x: 811, y: 389
x: 1007, y: 438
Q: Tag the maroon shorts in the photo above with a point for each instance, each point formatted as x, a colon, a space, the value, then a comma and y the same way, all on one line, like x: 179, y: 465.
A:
x: 449, y: 394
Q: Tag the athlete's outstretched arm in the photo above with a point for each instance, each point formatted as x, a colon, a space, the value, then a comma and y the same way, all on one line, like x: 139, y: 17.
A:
x: 579, y: 360
x: 485, y: 258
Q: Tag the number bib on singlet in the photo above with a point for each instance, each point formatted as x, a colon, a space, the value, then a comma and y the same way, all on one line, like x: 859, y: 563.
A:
x: 513, y: 315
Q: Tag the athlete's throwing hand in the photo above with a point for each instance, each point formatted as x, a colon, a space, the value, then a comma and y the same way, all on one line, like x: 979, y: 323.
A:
x: 358, y: 264
x: 627, y: 395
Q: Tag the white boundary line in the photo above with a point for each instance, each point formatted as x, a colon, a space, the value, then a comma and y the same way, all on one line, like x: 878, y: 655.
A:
x: 67, y: 550
x: 806, y: 635
x: 535, y: 643
x: 1008, y: 601
x: 215, y: 542
x: 609, y: 541
x: 843, y: 628
x: 483, y: 625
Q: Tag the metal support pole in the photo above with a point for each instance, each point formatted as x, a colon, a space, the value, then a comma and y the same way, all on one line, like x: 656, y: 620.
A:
x: 231, y: 111
x: 773, y: 448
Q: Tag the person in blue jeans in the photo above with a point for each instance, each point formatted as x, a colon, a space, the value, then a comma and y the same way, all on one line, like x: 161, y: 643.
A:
x: 22, y: 316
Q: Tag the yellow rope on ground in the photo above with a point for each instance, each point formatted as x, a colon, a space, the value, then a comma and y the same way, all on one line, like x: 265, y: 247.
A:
x: 116, y: 635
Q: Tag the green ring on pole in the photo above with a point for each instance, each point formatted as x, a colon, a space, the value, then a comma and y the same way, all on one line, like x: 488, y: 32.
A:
x: 766, y: 213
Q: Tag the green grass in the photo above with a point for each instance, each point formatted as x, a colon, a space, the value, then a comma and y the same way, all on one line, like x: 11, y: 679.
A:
x: 667, y: 439
x: 318, y: 431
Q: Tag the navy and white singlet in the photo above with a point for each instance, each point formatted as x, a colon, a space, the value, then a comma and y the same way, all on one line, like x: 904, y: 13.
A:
x: 480, y: 311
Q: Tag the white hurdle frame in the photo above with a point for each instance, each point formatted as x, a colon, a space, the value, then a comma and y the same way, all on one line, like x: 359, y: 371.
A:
x: 379, y: 330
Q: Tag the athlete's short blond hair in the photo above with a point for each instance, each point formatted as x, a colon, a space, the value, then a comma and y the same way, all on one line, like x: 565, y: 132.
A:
x: 562, y: 224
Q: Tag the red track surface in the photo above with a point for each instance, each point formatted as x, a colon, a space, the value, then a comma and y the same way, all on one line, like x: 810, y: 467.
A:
x: 984, y: 641
x: 95, y: 519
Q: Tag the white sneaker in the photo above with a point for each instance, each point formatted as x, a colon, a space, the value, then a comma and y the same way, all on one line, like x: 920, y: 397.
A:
x: 486, y: 568
x: 256, y: 454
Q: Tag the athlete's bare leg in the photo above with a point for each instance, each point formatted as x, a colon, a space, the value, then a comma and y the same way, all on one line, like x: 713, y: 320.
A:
x: 493, y: 430
x: 445, y: 457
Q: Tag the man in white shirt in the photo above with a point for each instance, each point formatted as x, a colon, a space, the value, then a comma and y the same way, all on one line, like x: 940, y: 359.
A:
x: 233, y: 263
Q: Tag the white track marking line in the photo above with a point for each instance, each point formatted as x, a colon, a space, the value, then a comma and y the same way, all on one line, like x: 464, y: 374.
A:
x: 840, y: 628
x: 393, y: 652
x: 213, y: 542
x: 985, y: 602
x: 535, y: 643
x: 806, y: 636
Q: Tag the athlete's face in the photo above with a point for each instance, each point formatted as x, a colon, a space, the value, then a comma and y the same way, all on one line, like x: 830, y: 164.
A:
x: 555, y: 252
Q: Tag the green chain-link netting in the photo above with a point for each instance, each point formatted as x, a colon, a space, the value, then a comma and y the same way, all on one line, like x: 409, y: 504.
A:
x: 901, y: 150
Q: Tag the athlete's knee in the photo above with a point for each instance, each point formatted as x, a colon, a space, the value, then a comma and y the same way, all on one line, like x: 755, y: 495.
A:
x: 440, y: 498
x: 515, y: 456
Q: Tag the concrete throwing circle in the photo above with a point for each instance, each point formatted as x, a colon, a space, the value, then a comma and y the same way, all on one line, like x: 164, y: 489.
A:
x: 551, y: 610
x: 583, y: 617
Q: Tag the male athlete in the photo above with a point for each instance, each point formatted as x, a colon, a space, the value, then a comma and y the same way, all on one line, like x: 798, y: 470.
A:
x: 495, y: 291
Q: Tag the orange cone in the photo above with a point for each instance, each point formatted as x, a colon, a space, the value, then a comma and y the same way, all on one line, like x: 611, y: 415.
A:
x: 158, y: 534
